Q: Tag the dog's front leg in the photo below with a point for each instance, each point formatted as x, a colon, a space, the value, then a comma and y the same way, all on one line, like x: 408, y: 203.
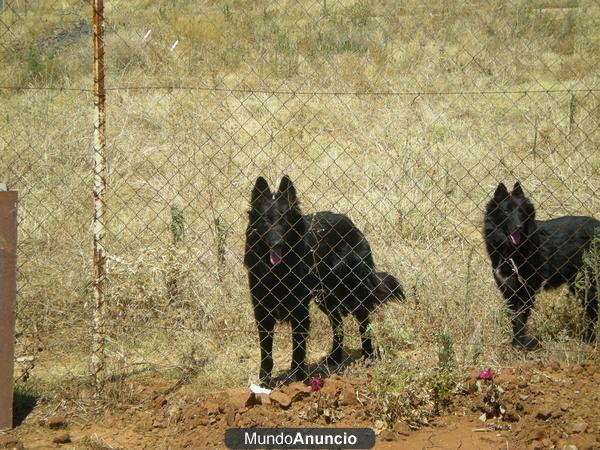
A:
x: 364, y: 327
x: 265, y: 336
x: 300, y: 327
x: 335, y: 357
x: 520, y: 337
x: 521, y: 301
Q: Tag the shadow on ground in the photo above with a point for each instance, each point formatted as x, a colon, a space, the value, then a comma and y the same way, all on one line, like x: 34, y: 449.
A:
x: 319, y: 369
x: 23, y: 403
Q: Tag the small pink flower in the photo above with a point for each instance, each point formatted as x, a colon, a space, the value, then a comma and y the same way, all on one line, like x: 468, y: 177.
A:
x: 316, y: 384
x: 486, y: 374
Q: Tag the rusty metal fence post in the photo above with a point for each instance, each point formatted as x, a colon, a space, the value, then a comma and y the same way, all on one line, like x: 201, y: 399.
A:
x: 98, y: 320
x: 8, y: 288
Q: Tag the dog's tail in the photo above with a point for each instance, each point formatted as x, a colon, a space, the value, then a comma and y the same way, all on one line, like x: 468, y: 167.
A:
x: 387, y: 287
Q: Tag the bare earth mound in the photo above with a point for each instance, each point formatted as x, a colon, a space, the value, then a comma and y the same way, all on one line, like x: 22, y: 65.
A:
x: 528, y: 406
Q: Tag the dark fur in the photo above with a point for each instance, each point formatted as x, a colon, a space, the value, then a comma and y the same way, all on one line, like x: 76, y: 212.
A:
x: 318, y: 253
x: 528, y: 255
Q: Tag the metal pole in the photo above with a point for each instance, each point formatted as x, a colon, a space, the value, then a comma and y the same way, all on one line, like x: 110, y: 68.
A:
x: 8, y: 292
x: 98, y: 320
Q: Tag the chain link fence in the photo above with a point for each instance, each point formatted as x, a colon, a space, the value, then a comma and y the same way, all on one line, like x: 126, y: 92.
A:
x: 403, y: 116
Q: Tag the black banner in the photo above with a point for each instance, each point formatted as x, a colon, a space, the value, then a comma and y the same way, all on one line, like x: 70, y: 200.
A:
x: 300, y: 438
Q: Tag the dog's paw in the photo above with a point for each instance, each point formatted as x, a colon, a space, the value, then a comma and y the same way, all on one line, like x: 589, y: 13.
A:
x: 297, y: 374
x: 266, y: 382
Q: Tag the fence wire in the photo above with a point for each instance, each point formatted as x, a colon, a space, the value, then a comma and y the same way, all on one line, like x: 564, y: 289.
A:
x: 402, y: 116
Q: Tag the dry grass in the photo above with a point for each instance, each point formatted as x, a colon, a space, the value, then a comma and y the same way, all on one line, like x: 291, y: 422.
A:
x: 413, y: 171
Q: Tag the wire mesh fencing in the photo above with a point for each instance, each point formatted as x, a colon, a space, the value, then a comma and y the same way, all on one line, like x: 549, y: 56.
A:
x: 403, y: 117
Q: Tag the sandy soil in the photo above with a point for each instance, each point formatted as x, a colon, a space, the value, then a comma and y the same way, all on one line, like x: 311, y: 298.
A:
x: 529, y: 406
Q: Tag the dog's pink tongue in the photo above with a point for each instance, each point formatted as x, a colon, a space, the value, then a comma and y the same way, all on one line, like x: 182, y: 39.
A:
x: 275, y: 256
x: 515, y: 237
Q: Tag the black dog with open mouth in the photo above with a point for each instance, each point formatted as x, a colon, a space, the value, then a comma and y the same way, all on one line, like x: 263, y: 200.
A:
x: 528, y: 255
x: 290, y: 257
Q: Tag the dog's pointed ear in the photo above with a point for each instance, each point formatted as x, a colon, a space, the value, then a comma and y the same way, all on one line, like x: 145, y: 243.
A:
x: 518, y: 190
x: 287, y: 189
x: 501, y: 192
x: 260, y: 191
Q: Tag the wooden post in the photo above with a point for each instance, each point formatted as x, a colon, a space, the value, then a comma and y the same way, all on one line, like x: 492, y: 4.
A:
x: 8, y: 293
x: 99, y: 308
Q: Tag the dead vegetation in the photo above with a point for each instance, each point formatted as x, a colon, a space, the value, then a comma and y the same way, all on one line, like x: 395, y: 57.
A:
x: 403, y: 115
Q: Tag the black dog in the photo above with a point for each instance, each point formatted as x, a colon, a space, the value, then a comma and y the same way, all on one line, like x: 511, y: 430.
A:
x: 291, y: 257
x: 529, y: 255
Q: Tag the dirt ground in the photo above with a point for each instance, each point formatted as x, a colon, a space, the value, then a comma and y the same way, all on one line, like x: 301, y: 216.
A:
x: 529, y: 406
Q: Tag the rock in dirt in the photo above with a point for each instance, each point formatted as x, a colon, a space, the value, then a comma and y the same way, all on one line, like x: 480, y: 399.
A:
x: 538, y: 434
x: 57, y: 422
x: 298, y: 391
x: 554, y: 366
x: 282, y: 399
x: 544, y: 412
x: 510, y: 416
x: 262, y: 399
x: 332, y: 387
x: 230, y: 418
x: 387, y: 435
x: 401, y: 428
x: 579, y: 426
x: 212, y: 407
x: 62, y: 438
x: 10, y: 442
x: 348, y: 396
x: 535, y: 390
x: 239, y: 401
